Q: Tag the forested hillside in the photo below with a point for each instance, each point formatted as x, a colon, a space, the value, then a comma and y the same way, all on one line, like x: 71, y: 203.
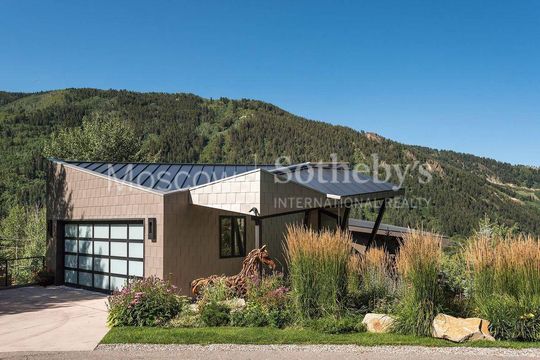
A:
x: 188, y: 128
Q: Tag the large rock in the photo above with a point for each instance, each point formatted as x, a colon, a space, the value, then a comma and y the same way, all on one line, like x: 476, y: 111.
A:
x: 378, y: 323
x: 459, y: 329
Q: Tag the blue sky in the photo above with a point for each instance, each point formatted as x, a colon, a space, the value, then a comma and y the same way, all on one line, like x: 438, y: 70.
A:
x: 459, y: 75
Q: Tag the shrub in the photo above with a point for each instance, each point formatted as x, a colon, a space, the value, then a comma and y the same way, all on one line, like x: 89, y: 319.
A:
x: 318, y: 269
x: 419, y: 263
x: 372, y: 280
x: 215, y: 314
x: 253, y: 315
x: 455, y: 284
x: 144, y: 302
x: 505, y: 275
x: 187, y: 319
x: 216, y: 292
x: 338, y: 325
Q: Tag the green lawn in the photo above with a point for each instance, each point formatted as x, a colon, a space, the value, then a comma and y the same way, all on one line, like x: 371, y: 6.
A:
x: 231, y: 335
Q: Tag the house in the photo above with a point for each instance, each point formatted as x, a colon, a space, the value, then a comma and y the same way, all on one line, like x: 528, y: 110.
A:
x: 111, y: 221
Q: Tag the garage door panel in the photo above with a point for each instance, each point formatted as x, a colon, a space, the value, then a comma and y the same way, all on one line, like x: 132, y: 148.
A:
x: 85, y: 246
x: 119, y: 249
x: 101, y: 265
x: 70, y: 245
x: 103, y: 255
x: 85, y: 262
x: 101, y: 281
x: 136, y: 250
x: 101, y: 247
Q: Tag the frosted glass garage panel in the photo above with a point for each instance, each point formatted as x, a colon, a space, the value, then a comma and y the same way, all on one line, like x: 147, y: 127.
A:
x: 136, y: 232
x: 70, y: 245
x: 136, y: 268
x: 70, y: 261
x: 101, y: 248
x: 136, y: 250
x: 85, y: 246
x: 101, y: 231
x: 85, y: 262
x: 85, y: 231
x: 119, y: 266
x: 70, y: 276
x: 101, y: 265
x: 119, y: 231
x: 119, y: 249
x: 117, y: 283
x: 101, y: 281
x: 70, y: 230
x: 85, y: 279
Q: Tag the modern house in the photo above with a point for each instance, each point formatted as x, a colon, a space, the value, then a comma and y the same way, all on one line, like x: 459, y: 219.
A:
x: 111, y: 221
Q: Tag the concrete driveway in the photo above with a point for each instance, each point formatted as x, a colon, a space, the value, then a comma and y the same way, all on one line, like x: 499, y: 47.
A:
x: 55, y: 318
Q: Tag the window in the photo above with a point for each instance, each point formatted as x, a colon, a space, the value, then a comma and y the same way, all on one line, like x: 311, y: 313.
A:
x: 232, y: 236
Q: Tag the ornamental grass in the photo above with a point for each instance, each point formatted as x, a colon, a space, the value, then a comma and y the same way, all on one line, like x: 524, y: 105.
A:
x: 372, y: 279
x: 317, y: 264
x: 419, y: 263
x: 505, y: 276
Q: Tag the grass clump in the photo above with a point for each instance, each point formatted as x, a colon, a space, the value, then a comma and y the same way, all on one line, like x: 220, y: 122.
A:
x: 505, y: 275
x: 317, y: 269
x: 371, y: 280
x: 419, y: 263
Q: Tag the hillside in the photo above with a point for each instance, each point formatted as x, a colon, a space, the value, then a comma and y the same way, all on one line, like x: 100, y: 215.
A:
x: 188, y: 128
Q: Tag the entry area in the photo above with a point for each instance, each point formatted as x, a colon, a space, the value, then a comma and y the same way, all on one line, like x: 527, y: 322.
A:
x: 103, y: 255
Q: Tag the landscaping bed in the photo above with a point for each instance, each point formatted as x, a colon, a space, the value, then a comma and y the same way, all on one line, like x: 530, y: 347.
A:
x: 486, y: 294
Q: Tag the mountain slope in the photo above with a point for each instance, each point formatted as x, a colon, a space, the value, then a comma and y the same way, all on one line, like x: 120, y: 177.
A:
x: 188, y: 128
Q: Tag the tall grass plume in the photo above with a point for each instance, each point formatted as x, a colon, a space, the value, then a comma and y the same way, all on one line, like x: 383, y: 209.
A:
x: 317, y: 264
x: 418, y: 264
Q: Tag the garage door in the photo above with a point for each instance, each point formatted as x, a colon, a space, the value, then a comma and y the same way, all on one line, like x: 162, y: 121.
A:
x: 101, y: 255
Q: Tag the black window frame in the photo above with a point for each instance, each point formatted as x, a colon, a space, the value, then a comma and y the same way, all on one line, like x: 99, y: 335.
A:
x: 235, y: 230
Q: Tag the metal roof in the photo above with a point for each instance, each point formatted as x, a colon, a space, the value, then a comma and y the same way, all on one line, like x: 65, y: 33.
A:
x: 335, y: 180
x: 167, y: 177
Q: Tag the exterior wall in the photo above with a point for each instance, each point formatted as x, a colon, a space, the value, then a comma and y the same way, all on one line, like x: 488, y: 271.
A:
x: 192, y: 242
x: 74, y: 194
x: 273, y: 235
x: 239, y: 193
x: 256, y: 189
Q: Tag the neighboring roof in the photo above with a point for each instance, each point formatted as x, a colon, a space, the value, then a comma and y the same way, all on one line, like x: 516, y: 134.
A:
x: 335, y: 180
x: 366, y: 226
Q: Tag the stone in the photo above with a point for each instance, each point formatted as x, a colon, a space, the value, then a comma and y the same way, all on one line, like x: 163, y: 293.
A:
x: 459, y: 329
x: 235, y: 304
x: 194, y: 308
x: 378, y: 323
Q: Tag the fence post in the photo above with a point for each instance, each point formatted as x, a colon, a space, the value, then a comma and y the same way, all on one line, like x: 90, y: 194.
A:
x: 6, y: 274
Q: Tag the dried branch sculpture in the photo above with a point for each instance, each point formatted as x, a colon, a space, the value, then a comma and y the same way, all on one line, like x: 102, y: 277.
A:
x: 252, y: 267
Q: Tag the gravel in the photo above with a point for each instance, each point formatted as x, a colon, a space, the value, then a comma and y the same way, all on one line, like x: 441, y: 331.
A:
x: 306, y: 351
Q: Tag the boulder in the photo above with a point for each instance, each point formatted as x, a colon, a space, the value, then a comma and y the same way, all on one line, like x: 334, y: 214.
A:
x: 459, y: 330
x: 378, y: 323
